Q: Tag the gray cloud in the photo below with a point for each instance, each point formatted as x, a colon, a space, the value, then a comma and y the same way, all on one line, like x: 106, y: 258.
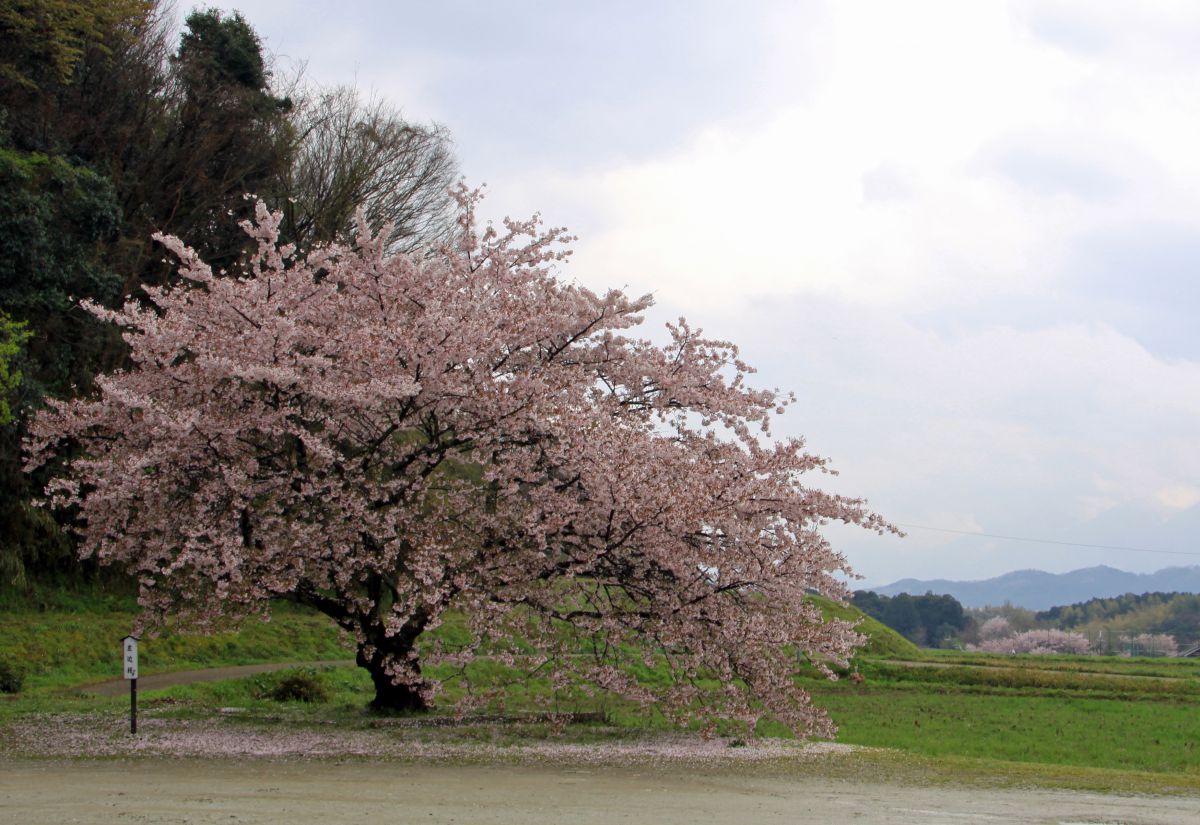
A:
x: 1144, y: 279
x: 1048, y: 172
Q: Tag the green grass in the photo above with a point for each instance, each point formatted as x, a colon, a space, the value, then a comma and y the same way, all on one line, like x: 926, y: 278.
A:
x: 58, y: 648
x: 1089, y: 722
x: 882, y: 641
x: 1097, y: 733
x: 1031, y: 677
x: 1088, y: 712
x: 1109, y: 665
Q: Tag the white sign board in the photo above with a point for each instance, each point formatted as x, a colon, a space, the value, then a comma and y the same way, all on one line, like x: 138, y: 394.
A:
x: 130, y: 657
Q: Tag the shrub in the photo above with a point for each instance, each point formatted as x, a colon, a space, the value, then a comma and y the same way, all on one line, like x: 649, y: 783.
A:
x: 306, y: 685
x: 11, y: 679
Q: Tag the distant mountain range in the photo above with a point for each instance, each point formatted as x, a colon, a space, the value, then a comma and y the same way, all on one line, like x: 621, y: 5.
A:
x: 1038, y: 590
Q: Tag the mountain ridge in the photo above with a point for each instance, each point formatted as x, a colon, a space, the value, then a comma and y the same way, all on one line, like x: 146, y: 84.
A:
x: 1039, y: 590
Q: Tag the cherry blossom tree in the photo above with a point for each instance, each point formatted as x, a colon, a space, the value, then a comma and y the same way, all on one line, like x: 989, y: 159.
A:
x: 1153, y: 644
x: 394, y: 439
x: 1046, y: 641
x: 996, y: 627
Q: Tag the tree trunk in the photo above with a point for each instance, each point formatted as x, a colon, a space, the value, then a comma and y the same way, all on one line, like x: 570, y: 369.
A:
x: 389, y: 696
x: 373, y: 637
x: 392, y: 698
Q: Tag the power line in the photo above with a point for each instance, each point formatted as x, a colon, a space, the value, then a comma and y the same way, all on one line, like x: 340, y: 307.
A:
x: 1048, y: 541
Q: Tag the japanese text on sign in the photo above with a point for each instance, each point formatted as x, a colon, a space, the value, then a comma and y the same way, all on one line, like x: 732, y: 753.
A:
x: 130, y: 657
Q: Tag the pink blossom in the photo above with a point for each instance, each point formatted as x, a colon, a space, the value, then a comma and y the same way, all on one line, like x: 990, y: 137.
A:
x: 387, y: 437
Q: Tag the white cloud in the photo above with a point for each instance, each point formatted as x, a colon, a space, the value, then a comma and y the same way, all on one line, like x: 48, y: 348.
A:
x: 945, y: 156
x: 895, y: 242
x: 893, y: 223
x: 1036, y: 433
x: 1179, y: 497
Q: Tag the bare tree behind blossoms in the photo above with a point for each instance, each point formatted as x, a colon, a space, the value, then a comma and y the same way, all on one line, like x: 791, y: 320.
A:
x: 389, y: 437
x: 353, y: 154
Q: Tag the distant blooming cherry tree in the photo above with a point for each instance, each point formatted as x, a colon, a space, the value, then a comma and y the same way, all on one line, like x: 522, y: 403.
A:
x: 996, y: 627
x: 1037, y: 641
x: 1153, y: 644
x: 395, y: 439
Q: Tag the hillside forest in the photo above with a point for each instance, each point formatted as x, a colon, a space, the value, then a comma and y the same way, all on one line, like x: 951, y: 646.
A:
x: 1132, y: 624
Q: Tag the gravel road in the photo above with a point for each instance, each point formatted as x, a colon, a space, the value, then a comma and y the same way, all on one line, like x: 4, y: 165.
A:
x: 233, y: 792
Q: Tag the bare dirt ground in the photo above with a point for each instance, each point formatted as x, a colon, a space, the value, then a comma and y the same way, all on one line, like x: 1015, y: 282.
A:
x: 229, y: 771
x: 235, y: 792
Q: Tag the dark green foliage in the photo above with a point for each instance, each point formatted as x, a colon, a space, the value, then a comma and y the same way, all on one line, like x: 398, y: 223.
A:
x: 13, y: 335
x: 43, y: 42
x: 223, y: 135
x: 929, y: 620
x: 219, y: 49
x: 1175, y: 614
x: 93, y: 158
x: 1080, y: 613
x: 55, y: 217
x: 304, y: 684
x: 11, y: 679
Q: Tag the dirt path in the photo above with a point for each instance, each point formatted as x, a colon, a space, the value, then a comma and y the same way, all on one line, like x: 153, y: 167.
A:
x: 203, y: 792
x: 159, y: 681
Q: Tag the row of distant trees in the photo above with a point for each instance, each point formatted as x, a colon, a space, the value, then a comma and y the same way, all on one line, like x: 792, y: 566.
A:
x: 929, y: 620
x: 1174, y: 614
x: 1147, y: 624
x: 114, y: 125
x: 997, y: 635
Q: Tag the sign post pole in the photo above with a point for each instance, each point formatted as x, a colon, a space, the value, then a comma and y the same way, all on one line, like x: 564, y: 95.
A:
x: 129, y: 644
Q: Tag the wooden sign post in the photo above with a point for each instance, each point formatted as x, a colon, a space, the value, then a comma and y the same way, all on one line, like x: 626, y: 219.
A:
x: 129, y: 645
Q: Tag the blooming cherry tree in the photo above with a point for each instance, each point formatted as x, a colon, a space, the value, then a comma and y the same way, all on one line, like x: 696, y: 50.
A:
x: 1046, y: 641
x: 1154, y: 644
x: 393, y: 439
x: 994, y: 628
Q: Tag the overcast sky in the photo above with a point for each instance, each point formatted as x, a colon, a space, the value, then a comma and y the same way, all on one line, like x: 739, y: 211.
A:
x: 967, y: 235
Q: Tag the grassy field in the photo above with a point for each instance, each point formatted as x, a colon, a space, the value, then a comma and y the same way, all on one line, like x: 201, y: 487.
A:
x: 1088, y: 712
x: 1073, y: 721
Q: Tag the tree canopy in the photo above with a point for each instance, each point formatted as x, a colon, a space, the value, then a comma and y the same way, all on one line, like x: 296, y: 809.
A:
x: 389, y: 437
x: 12, y: 336
x: 927, y: 620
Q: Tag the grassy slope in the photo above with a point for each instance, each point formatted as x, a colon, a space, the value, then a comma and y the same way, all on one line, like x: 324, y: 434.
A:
x: 882, y: 641
x: 72, y: 639
x: 60, y: 639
